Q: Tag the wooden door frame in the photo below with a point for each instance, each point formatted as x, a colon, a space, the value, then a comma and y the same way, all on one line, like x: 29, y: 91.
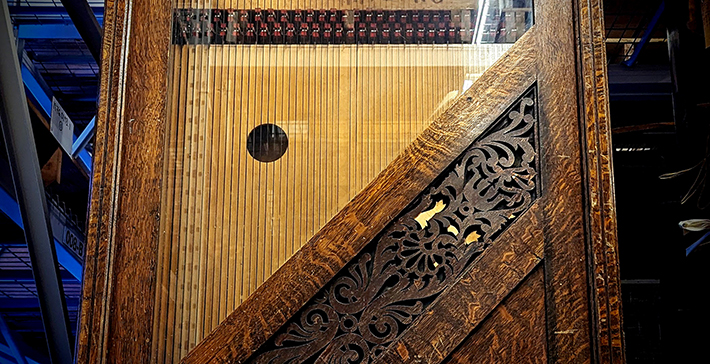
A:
x: 121, y: 257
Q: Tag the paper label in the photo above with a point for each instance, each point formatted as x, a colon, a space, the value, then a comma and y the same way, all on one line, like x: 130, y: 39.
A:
x: 62, y: 127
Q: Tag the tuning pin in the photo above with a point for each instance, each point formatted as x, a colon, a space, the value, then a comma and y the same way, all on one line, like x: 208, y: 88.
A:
x: 196, y: 32
x: 466, y: 27
x: 456, y: 15
x: 441, y: 33
x: 309, y: 16
x: 403, y: 17
x: 409, y: 33
x: 420, y: 33
x: 386, y: 36
x: 185, y: 34
x: 361, y: 33
x: 290, y: 33
x: 209, y: 34
x: 235, y: 34
x: 222, y: 30
x: 250, y: 36
x: 373, y: 33
x: 263, y: 33
x: 298, y: 16
x: 431, y: 33
x: 338, y: 38
x: 327, y: 34
x: 453, y: 35
x: 315, y: 34
x: 350, y: 37
x: 322, y: 16
x: 397, y: 36
x: 333, y: 15
x: 303, y: 34
x: 205, y: 15
x: 277, y: 36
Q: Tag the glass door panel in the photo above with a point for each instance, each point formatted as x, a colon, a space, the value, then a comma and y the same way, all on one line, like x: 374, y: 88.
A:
x: 280, y: 112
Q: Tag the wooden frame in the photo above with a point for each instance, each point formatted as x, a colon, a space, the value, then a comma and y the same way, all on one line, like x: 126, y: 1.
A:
x: 567, y: 61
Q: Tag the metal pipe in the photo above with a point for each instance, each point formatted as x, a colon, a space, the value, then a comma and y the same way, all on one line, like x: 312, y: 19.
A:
x: 22, y: 152
x: 646, y: 35
x: 85, y: 22
x: 84, y: 139
x: 10, y: 340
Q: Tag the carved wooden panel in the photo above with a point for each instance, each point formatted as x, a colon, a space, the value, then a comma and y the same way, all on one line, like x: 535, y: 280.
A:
x: 437, y: 237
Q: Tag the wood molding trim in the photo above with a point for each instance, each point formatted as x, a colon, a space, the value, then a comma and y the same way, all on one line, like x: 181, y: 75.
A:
x: 599, y: 178
x: 94, y: 287
x: 119, y: 269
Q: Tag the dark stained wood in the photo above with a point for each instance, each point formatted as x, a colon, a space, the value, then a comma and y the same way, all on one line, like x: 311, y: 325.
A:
x: 566, y: 281
x: 349, y: 231
x: 428, y: 247
x: 118, y: 295
x: 513, y: 333
x: 601, y: 212
x: 467, y: 303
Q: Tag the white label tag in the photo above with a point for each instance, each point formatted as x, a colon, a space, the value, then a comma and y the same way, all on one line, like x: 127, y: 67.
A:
x: 62, y: 127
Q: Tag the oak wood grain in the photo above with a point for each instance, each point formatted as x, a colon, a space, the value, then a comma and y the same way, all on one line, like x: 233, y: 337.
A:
x: 462, y: 307
x: 125, y: 203
x: 94, y: 289
x: 566, y: 280
x: 514, y: 332
x: 601, y: 205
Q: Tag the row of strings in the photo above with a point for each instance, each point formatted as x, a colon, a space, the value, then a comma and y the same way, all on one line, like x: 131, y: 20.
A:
x: 229, y: 221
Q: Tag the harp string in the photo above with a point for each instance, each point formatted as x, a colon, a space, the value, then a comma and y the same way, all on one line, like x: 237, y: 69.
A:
x: 228, y: 221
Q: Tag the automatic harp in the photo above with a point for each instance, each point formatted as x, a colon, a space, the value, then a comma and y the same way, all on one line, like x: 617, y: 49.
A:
x: 279, y: 112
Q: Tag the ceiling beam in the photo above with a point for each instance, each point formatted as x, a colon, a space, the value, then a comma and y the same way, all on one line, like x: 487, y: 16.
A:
x: 27, y: 304
x: 49, y: 10
x: 29, y: 191
x: 86, y: 24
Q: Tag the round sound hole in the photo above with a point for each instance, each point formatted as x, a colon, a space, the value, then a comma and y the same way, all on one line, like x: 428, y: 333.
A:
x: 267, y: 143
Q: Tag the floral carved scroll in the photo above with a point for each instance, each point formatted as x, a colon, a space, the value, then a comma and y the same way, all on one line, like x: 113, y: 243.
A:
x: 437, y: 237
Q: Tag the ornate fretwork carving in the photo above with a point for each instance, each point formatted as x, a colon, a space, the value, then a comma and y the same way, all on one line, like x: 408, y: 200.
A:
x: 378, y: 295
